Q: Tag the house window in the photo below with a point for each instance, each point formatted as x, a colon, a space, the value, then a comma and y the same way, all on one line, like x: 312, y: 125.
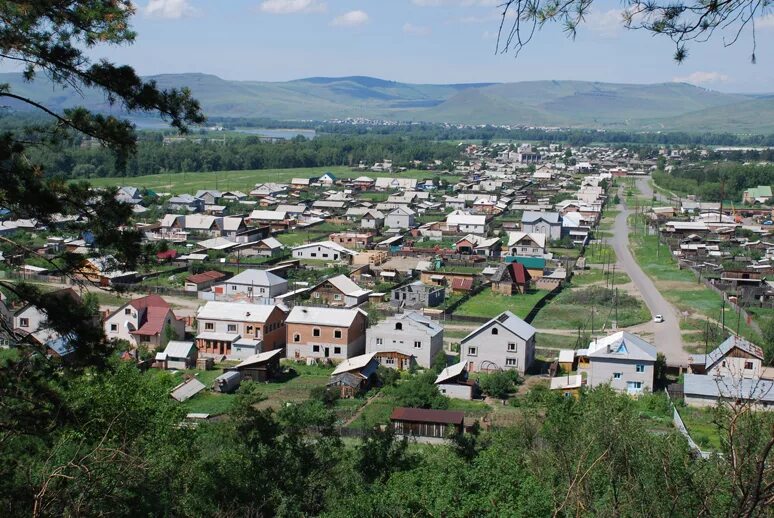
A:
x: 399, y: 326
x: 127, y: 311
x: 209, y: 326
x: 748, y: 365
x: 390, y: 361
x: 511, y: 347
x: 24, y: 322
x: 317, y: 294
x: 639, y: 368
x: 379, y: 341
x: 417, y: 345
x: 337, y: 333
x: 145, y: 338
x: 296, y: 337
x: 249, y: 329
x: 114, y: 327
x: 316, y: 331
x: 315, y: 348
x: 472, y: 351
x: 511, y: 362
x: 337, y: 350
x: 495, y: 331
x: 617, y: 375
x: 232, y: 328
x: 313, y: 254
x: 249, y: 289
x: 233, y: 287
x: 336, y: 296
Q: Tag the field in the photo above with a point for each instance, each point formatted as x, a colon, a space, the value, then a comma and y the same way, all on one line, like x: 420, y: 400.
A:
x: 562, y: 313
x: 242, y: 180
x: 489, y: 304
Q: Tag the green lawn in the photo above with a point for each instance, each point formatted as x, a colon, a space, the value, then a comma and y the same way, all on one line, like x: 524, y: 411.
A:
x: 554, y: 341
x: 489, y: 304
x: 299, y: 237
x: 243, y: 180
x: 597, y: 276
x: 561, y: 314
x: 699, y: 423
x: 599, y: 254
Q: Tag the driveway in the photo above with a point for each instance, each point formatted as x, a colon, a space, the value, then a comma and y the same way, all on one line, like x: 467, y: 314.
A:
x: 667, y: 337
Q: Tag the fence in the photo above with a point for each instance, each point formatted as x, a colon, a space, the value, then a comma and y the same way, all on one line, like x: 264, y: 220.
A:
x: 680, y: 425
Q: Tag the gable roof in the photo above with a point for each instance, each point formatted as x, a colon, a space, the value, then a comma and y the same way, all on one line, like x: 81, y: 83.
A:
x: 424, y: 415
x: 722, y: 350
x: 451, y: 372
x: 354, y: 363
x: 327, y: 244
x: 257, y: 359
x: 345, y: 285
x: 178, y: 349
x: 516, y: 237
x: 510, y: 322
x: 211, y: 275
x: 531, y: 216
x: 515, y: 271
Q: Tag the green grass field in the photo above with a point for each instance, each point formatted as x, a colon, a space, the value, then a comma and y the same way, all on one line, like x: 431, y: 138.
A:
x: 599, y: 277
x: 242, y: 180
x: 561, y: 314
x: 489, y: 304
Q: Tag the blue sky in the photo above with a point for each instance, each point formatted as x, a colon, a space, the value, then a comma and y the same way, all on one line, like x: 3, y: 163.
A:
x: 423, y: 41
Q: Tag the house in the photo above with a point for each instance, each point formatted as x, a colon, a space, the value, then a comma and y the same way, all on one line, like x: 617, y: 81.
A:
x: 260, y: 367
x: 622, y: 360
x: 405, y: 339
x: 324, y: 251
x: 262, y: 190
x: 302, y: 183
x: 186, y: 202
x: 735, y: 357
x: 462, y: 222
x: 363, y: 183
x: 144, y: 321
x: 239, y: 329
x: 422, y: 422
x: 548, y: 223
x: 406, y: 184
x: 505, y: 342
x: 268, y: 216
x: 477, y: 245
x: 701, y: 390
x: 129, y: 195
x: 105, y: 271
x: 453, y: 382
x: 760, y: 194
x: 339, y: 291
x: 372, y: 219
x: 535, y: 265
x: 417, y: 296
x: 402, y: 217
x: 208, y: 197
x: 511, y: 278
x: 254, y: 283
x: 269, y: 247
x: 527, y: 244
x: 354, y: 376
x: 177, y: 355
x: 353, y: 239
x: 204, y: 280
x: 292, y: 211
x: 325, y: 333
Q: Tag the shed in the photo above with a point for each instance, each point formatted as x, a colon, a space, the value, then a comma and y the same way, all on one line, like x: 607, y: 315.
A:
x: 178, y: 355
x: 227, y: 382
x: 421, y: 422
x: 260, y: 367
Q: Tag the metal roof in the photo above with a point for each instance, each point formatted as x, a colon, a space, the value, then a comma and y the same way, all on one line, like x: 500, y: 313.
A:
x: 323, y: 316
x: 451, y: 372
x: 354, y: 363
x: 187, y: 389
x: 424, y: 415
x: 178, y: 349
x: 509, y: 321
x: 235, y: 311
x: 257, y: 359
x: 728, y: 387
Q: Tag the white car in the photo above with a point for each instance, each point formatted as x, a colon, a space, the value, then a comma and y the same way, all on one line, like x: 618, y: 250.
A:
x: 658, y: 319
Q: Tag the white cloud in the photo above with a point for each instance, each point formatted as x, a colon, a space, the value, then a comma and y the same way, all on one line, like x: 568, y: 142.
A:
x: 416, y: 30
x: 765, y: 22
x: 351, y: 19
x: 170, y: 9
x: 462, y: 3
x: 292, y: 6
x: 700, y: 78
x: 604, y: 23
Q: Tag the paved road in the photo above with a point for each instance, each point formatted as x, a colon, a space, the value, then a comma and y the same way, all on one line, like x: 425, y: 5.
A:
x: 667, y: 338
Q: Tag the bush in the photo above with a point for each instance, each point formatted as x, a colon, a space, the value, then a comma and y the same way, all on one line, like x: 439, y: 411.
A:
x: 419, y: 392
x: 499, y: 384
x: 325, y: 395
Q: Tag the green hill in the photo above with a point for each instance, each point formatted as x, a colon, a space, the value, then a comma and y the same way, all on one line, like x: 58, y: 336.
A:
x: 663, y: 106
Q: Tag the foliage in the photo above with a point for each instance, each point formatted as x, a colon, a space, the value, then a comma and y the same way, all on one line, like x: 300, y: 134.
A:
x: 419, y: 392
x: 499, y: 384
x: 325, y: 395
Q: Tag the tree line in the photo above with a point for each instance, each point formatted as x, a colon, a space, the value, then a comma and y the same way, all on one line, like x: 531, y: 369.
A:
x: 715, y: 181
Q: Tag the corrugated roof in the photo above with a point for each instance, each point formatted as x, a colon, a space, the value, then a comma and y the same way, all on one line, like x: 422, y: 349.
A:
x: 509, y: 321
x: 235, y: 311
x: 257, y: 359
x: 424, y: 415
x: 323, y: 316
x: 755, y: 389
x: 354, y: 363
x: 187, y: 389
x: 178, y: 348
x: 728, y: 344
x: 257, y: 278
x: 451, y: 372
x: 622, y: 344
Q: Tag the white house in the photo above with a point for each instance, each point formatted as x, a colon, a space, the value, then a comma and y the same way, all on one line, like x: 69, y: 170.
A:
x: 465, y: 223
x: 324, y: 251
x: 505, y: 342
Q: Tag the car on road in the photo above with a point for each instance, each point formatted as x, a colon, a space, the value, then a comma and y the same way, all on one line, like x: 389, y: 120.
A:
x: 658, y: 319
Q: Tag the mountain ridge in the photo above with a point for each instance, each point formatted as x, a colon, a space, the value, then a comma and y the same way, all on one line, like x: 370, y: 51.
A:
x: 566, y: 103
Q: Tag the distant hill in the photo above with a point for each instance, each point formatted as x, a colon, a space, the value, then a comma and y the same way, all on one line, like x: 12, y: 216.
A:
x: 665, y: 106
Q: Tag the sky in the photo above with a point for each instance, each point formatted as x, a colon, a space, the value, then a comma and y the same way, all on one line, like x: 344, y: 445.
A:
x: 419, y: 41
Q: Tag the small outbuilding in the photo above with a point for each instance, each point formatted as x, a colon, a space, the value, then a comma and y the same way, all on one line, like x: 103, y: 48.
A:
x: 177, y: 355
x: 422, y: 422
x: 453, y: 382
x: 227, y: 382
x: 260, y: 367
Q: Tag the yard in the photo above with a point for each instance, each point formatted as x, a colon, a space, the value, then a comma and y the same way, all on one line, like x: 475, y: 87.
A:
x: 569, y: 311
x: 490, y: 304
